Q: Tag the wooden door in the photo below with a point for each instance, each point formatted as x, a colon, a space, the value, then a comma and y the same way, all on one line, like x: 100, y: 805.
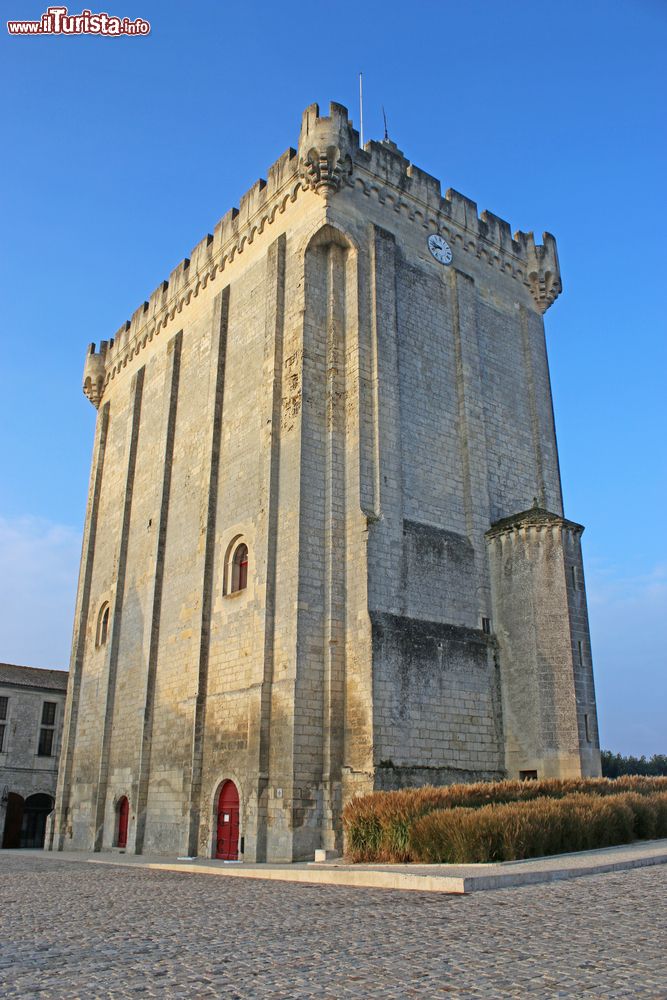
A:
x: 227, y: 834
x: 35, y: 814
x: 123, y: 817
x: 13, y: 821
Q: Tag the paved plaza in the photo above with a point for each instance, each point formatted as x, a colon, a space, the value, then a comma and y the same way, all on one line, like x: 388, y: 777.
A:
x: 71, y: 930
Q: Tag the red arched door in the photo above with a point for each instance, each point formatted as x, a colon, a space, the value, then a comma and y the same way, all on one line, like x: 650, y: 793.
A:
x: 123, y: 817
x: 227, y: 834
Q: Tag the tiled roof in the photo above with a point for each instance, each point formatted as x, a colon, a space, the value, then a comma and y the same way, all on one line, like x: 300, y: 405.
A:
x: 11, y: 673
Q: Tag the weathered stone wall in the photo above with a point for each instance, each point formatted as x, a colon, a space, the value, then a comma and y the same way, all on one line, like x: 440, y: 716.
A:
x: 461, y: 433
x: 540, y: 618
x: 582, y: 658
x: 436, y: 700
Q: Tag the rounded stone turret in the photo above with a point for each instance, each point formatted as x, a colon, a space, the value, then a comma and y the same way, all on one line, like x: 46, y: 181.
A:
x: 543, y: 270
x: 94, y: 372
x: 326, y: 148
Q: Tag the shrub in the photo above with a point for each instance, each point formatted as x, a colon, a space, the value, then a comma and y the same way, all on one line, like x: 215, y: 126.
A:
x: 514, y: 830
x: 660, y: 803
x: 644, y: 813
x: 378, y: 826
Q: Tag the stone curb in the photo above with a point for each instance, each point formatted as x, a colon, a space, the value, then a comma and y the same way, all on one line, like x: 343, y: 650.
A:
x: 531, y: 872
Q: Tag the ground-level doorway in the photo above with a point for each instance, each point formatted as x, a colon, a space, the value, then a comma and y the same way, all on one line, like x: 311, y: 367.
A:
x: 25, y: 820
x: 11, y: 835
x: 35, y: 814
x: 123, y: 817
x: 227, y: 828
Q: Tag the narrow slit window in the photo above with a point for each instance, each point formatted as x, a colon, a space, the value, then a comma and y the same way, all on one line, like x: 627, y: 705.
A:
x: 102, y: 625
x: 4, y: 702
x: 580, y: 652
x: 573, y: 574
x: 486, y: 626
x: 587, y: 728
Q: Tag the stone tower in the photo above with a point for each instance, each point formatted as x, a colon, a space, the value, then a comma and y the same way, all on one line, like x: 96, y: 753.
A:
x: 325, y: 549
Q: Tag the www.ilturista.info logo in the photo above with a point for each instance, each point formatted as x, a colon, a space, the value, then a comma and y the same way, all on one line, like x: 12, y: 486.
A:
x: 57, y: 21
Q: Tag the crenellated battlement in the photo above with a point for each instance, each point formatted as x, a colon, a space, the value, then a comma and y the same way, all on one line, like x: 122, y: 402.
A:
x: 238, y: 226
x: 330, y: 157
x: 328, y: 160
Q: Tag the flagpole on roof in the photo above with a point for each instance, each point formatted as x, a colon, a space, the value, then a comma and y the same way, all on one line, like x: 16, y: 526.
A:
x: 361, y: 112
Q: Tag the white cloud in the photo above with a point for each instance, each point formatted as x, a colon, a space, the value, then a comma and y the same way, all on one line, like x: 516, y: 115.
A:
x: 628, y: 614
x: 39, y: 564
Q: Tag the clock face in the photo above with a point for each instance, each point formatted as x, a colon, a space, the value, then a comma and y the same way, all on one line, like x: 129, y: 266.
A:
x: 440, y: 248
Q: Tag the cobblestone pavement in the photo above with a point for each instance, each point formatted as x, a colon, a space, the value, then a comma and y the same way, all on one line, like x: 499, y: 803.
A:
x: 73, y: 930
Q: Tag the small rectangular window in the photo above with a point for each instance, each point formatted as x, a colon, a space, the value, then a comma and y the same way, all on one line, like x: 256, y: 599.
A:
x: 486, y: 626
x: 573, y: 574
x: 47, y: 730
x: 45, y: 748
x: 2, y: 736
x: 528, y: 775
x: 49, y: 713
x: 580, y: 651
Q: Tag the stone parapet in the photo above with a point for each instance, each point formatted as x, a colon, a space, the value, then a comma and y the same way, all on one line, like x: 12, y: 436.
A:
x: 535, y: 517
x: 329, y: 159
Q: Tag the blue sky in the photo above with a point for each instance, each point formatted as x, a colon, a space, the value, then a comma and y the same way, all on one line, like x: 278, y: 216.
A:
x: 119, y: 155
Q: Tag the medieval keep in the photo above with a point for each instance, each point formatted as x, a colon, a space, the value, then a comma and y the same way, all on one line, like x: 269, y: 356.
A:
x: 325, y: 549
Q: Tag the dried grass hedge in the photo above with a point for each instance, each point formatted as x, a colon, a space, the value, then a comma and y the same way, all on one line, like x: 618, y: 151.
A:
x: 536, y: 828
x: 378, y: 826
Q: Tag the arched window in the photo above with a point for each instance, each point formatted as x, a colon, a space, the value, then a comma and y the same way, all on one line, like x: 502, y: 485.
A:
x: 102, y: 625
x: 123, y: 813
x: 237, y: 558
x: 240, y: 568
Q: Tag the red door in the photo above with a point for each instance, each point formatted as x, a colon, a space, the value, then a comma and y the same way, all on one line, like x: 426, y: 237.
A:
x: 123, y: 816
x: 227, y: 837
